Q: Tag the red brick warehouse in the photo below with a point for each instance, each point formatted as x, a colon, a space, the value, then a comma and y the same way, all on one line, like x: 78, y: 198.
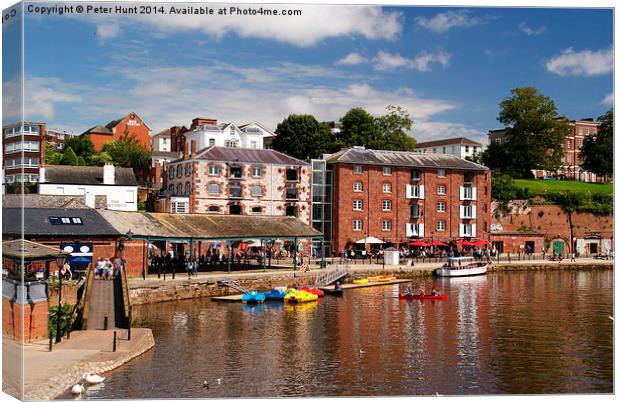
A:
x: 402, y: 196
x: 132, y: 125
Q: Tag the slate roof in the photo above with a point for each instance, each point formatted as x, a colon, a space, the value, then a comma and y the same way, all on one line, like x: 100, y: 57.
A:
x: 207, y: 226
x: 50, y: 201
x: 248, y: 155
x: 113, y: 123
x: 447, y: 141
x: 29, y: 250
x: 37, y: 222
x: 98, y: 129
x: 363, y: 156
x: 87, y: 175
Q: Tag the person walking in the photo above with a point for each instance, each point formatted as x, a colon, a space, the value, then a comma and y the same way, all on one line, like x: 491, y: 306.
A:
x: 572, y: 257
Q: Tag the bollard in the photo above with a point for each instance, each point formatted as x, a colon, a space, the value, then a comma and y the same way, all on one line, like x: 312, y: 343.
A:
x: 50, y: 346
x: 105, y: 323
x: 129, y: 328
x: 114, y: 343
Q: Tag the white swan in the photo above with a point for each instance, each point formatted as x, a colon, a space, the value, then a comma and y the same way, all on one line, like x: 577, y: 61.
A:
x: 93, y: 378
x: 77, y: 389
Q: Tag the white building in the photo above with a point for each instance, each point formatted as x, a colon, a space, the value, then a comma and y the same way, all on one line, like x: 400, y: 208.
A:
x: 118, y: 184
x: 461, y: 147
x: 229, y: 135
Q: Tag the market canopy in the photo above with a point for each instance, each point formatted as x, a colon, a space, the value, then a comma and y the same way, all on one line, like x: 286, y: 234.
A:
x: 370, y: 240
x: 165, y: 226
x: 419, y: 243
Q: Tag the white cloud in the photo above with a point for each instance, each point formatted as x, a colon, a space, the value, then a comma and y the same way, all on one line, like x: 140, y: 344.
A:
x: 425, y: 130
x: 584, y: 63
x: 317, y: 22
x: 608, y: 100
x: 108, y: 31
x: 422, y: 62
x: 523, y: 27
x: 445, y: 21
x: 352, y: 58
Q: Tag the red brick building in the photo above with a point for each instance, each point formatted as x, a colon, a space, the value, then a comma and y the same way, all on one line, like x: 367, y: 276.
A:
x: 131, y: 125
x: 401, y: 196
x: 23, y: 151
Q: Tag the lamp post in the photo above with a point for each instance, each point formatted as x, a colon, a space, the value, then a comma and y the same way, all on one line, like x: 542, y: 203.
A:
x: 60, y: 261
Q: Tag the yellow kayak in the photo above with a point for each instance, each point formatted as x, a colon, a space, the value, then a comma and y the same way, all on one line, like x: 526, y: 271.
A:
x: 358, y: 281
x: 381, y: 278
x: 300, y: 296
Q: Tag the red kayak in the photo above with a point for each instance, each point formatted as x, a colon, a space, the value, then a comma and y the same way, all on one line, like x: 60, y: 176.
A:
x: 425, y: 297
x: 315, y: 291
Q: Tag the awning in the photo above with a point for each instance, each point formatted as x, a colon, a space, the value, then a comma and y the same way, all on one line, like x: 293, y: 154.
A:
x: 370, y: 240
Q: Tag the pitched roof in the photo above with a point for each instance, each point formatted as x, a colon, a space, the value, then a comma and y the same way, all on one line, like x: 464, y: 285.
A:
x: 364, y: 156
x: 89, y: 175
x: 206, y: 226
x: 165, y: 132
x: 447, y: 141
x: 98, y: 129
x: 114, y: 123
x: 248, y: 155
x: 50, y: 201
x: 37, y: 222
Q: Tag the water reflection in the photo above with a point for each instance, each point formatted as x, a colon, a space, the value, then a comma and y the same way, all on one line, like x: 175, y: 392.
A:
x: 534, y: 332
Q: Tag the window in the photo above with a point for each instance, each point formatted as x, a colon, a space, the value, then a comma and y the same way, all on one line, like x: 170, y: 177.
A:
x: 357, y: 186
x: 171, y: 188
x: 441, y: 226
x: 415, y: 210
x: 357, y: 205
x: 211, y: 142
x: 441, y: 190
x: 235, y: 191
x: 387, y: 171
x: 415, y: 174
x: 188, y: 188
x: 213, y: 188
x: 568, y: 144
x: 387, y: 188
x: 475, y: 150
x: 291, y: 210
x: 386, y: 225
x: 443, y: 149
x: 179, y: 171
x: 580, y: 130
x: 466, y: 148
x: 213, y: 208
x: 179, y: 189
x: 291, y: 193
x: 257, y: 210
x: 171, y: 173
x: 467, y: 212
x: 441, y: 173
x: 257, y: 172
x: 231, y: 144
x: 235, y: 172
x: 580, y: 143
x: 357, y: 225
x: 179, y: 207
x: 468, y: 193
x: 257, y: 191
x: 386, y: 205
x: 441, y: 207
x: 357, y: 169
x: 188, y: 169
x: 291, y: 175
x: 72, y: 220
x: 214, y: 170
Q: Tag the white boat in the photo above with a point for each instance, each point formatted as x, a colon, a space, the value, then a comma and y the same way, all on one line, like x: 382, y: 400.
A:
x: 462, y: 266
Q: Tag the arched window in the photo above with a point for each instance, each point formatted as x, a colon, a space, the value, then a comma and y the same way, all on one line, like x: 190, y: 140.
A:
x: 179, y: 189
x: 188, y: 188
x: 171, y: 188
x: 214, y: 208
x: 188, y: 169
x: 179, y: 171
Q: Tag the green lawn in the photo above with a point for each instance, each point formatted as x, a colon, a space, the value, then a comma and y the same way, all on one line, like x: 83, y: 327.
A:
x: 540, y: 187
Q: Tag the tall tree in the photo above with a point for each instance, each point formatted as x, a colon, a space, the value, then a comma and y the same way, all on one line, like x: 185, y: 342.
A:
x: 597, y: 152
x: 393, y: 129
x: 81, y: 145
x: 69, y: 157
x: 303, y: 137
x: 535, y: 133
x: 129, y: 152
x: 358, y: 128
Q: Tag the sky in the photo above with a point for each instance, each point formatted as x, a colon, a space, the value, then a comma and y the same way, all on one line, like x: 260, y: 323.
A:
x: 448, y: 67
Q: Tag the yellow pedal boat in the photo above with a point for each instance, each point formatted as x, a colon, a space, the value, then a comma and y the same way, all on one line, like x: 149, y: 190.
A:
x: 300, y: 296
x: 359, y: 281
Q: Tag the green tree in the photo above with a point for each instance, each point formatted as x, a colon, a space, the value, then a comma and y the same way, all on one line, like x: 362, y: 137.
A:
x: 569, y: 201
x: 69, y: 157
x: 100, y: 159
x: 81, y: 145
x: 495, y: 157
x: 303, y: 137
x: 534, y: 132
x: 393, y: 130
x: 52, y: 156
x: 597, y: 152
x: 358, y: 127
x: 128, y: 152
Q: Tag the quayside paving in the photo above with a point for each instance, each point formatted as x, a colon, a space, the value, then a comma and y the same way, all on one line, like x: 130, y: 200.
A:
x: 153, y: 290
x: 48, y: 374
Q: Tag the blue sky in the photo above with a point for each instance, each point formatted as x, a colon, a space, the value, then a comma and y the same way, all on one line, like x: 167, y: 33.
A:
x: 449, y: 67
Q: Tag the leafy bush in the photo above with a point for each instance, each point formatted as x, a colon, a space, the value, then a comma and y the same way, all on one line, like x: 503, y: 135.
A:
x: 67, y: 318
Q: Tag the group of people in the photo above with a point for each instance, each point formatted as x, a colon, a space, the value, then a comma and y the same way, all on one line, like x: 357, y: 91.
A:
x: 108, y: 269
x: 420, y: 292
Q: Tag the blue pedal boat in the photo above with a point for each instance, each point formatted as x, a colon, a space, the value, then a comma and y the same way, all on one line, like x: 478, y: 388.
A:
x: 275, y: 295
x: 253, y: 297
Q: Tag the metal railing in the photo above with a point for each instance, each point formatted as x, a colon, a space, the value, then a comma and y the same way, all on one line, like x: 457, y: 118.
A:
x: 331, y: 275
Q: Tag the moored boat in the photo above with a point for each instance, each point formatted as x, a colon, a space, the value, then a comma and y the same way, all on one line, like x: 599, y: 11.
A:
x: 300, y: 296
x: 420, y: 297
x: 381, y: 278
x: 333, y: 292
x: 315, y: 291
x: 360, y: 281
x: 253, y: 297
x: 275, y: 295
x: 462, y: 266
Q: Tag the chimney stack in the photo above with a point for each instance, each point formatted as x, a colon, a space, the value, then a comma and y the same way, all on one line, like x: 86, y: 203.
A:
x: 193, y: 154
x: 89, y: 200
x: 42, y: 174
x: 185, y: 151
x: 108, y: 174
x: 199, y: 121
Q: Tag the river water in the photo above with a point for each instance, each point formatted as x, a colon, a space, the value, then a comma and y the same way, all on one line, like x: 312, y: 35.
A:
x: 503, y: 333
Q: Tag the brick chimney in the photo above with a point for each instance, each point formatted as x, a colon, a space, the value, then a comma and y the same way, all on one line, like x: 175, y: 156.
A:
x: 199, y: 121
x: 185, y: 151
x: 193, y: 154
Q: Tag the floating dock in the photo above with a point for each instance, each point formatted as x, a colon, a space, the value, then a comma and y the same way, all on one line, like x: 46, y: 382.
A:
x: 346, y: 286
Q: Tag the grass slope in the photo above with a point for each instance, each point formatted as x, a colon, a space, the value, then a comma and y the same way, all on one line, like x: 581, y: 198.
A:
x: 540, y: 187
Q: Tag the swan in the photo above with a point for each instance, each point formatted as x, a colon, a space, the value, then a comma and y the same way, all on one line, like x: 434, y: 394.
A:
x: 77, y: 389
x: 93, y: 378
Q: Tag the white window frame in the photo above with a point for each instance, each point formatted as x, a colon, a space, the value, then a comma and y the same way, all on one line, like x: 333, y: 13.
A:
x: 260, y: 191
x: 411, y: 207
x: 387, y: 171
x: 219, y: 189
x: 441, y: 225
x: 386, y: 205
x: 441, y: 206
x: 358, y: 205
x: 358, y: 169
x: 441, y: 172
x: 387, y: 187
x: 358, y: 187
x: 214, y: 170
x: 441, y: 189
x: 386, y: 225
x: 357, y: 225
x: 257, y: 169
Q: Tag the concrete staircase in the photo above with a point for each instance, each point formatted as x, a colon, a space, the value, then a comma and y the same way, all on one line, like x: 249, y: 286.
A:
x: 105, y: 299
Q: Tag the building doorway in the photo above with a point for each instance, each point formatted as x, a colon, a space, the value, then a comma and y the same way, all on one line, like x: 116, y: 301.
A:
x: 558, y: 246
x: 235, y: 209
x: 499, y: 246
x: 593, y: 248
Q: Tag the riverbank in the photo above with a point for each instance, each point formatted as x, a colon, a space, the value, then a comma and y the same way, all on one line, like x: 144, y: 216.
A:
x: 154, y: 290
x: 47, y: 375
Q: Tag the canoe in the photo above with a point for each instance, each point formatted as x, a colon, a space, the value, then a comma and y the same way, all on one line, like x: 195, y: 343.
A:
x: 315, y: 291
x: 300, y: 297
x: 425, y: 297
x: 333, y: 292
x: 253, y: 297
x: 382, y: 278
x: 275, y: 295
x: 359, y: 281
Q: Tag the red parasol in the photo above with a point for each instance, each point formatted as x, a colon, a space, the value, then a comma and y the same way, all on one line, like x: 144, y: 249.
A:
x: 480, y: 242
x: 438, y: 243
x: 465, y: 243
x: 419, y: 243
